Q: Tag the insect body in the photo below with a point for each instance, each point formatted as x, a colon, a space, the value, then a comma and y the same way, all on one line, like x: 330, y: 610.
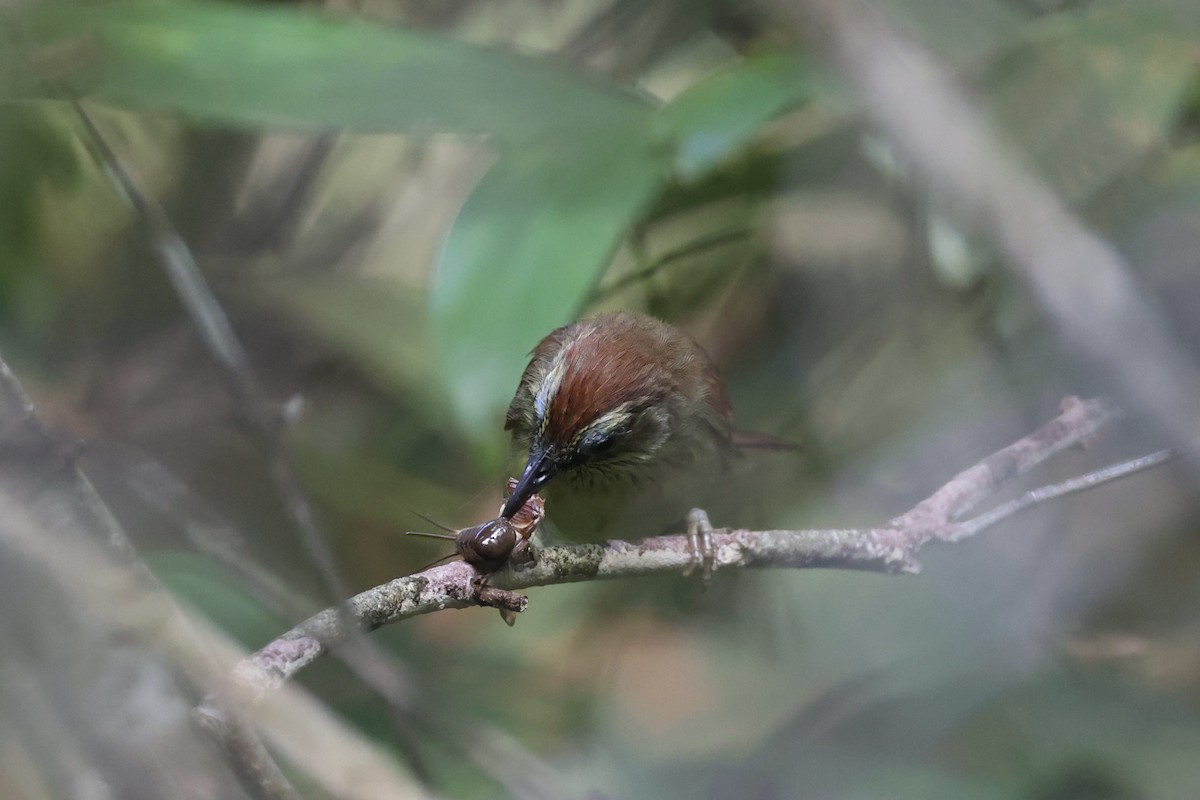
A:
x: 488, y: 547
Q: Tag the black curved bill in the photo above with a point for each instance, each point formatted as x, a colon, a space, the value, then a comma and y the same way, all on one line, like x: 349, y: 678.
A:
x: 540, y: 469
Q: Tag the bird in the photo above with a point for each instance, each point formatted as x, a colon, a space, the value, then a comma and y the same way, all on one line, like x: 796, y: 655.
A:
x: 625, y: 427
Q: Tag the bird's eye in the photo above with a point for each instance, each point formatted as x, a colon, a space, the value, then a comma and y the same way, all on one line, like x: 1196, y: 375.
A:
x: 598, y: 443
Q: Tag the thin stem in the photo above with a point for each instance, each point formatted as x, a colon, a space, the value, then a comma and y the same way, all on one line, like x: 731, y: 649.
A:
x: 698, y: 245
x: 1053, y: 491
x: 176, y: 257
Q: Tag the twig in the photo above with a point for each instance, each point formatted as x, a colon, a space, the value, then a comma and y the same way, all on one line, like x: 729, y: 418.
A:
x: 698, y: 245
x: 249, y: 757
x: 1077, y: 422
x: 890, y: 550
x: 1054, y: 491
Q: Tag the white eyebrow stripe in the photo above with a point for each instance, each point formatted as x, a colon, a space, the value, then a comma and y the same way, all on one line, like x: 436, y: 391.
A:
x: 554, y: 377
x: 613, y: 418
x: 549, y: 387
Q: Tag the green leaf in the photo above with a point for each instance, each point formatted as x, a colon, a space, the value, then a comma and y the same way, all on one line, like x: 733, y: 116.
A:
x: 364, y: 488
x: 209, y: 588
x: 715, y: 116
x: 277, y: 67
x: 525, y: 251
x: 1076, y: 725
x: 27, y: 297
x: 539, y: 230
x: 375, y: 322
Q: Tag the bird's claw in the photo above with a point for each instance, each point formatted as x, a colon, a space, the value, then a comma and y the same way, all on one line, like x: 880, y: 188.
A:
x: 700, y: 543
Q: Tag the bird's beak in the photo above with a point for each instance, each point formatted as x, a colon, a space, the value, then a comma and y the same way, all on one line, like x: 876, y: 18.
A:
x: 540, y: 469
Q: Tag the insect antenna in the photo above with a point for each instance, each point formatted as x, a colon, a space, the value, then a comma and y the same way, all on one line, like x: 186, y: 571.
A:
x: 435, y: 523
x: 428, y: 535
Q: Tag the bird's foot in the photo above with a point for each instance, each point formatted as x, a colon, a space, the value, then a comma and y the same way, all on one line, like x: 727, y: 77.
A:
x: 700, y: 542
x: 523, y: 555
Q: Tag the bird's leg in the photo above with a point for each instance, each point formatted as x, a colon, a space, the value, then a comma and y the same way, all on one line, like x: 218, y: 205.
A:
x: 700, y: 542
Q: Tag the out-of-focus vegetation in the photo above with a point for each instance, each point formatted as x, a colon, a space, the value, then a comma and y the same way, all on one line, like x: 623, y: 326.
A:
x: 395, y: 200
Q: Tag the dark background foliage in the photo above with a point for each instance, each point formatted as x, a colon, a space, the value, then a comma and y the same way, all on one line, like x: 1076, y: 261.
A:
x: 395, y: 200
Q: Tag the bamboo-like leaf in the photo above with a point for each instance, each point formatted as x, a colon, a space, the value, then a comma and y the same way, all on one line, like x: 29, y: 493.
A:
x: 525, y: 251
x: 277, y: 67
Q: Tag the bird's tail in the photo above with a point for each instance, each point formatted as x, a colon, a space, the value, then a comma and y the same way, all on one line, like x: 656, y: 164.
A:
x: 752, y: 440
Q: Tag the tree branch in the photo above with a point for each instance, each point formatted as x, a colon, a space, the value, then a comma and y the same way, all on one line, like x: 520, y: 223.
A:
x: 890, y: 550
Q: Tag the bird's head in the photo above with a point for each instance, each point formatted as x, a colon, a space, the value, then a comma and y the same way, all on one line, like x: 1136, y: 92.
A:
x: 605, y: 396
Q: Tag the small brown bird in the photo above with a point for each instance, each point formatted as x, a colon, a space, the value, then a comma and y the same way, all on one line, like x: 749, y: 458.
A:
x: 626, y: 426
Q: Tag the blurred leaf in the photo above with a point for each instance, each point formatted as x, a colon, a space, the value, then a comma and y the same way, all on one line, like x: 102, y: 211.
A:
x: 1155, y: 221
x: 47, y: 160
x: 1091, y: 92
x: 1066, y: 727
x: 371, y: 490
x: 280, y: 67
x: 208, y: 588
x: 898, y: 780
x: 373, y: 321
x: 538, y: 232
x: 523, y: 255
x: 963, y: 32
x: 713, y: 117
